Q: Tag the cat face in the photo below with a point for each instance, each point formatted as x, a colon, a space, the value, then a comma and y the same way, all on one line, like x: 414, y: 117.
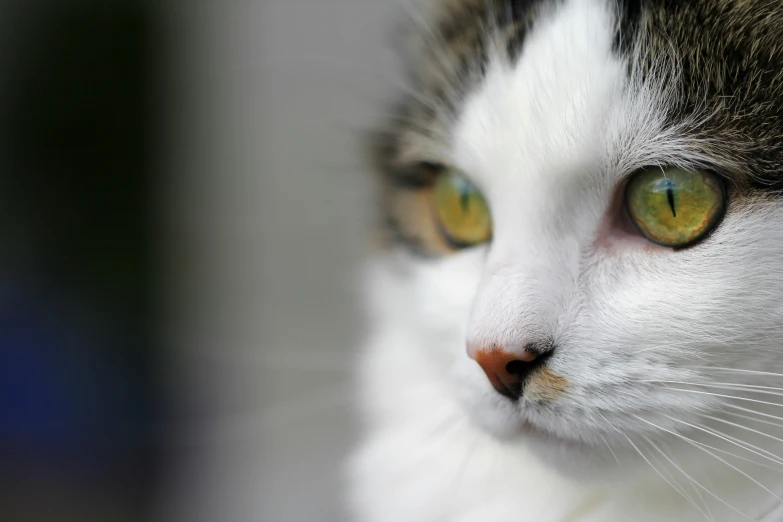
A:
x: 537, y: 172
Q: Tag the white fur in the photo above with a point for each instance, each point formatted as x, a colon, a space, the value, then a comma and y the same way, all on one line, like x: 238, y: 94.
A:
x: 548, y: 140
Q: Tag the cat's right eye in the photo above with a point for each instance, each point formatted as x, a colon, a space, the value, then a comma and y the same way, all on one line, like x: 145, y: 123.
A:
x: 460, y: 210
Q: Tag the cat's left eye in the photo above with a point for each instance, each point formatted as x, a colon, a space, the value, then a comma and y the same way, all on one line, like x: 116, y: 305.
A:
x: 460, y: 210
x: 674, y: 207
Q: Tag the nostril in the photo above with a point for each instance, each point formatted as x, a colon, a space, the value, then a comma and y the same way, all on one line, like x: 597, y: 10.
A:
x: 508, y: 370
x: 516, y: 367
x: 531, y: 358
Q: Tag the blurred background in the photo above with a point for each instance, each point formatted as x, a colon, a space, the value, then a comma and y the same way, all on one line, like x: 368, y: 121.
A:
x: 182, y: 211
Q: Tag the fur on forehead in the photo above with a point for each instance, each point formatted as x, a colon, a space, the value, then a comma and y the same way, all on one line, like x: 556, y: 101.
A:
x: 720, y: 62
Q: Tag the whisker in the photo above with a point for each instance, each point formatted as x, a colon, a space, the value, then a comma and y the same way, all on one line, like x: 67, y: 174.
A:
x: 746, y: 444
x: 442, y: 431
x: 750, y: 387
x: 612, y: 450
x: 648, y: 462
x: 754, y: 386
x: 748, y: 410
x: 748, y: 417
x: 459, y: 476
x: 699, y: 493
x: 713, y: 495
x: 462, y: 469
x: 727, y: 386
x: 650, y: 442
x: 762, y: 486
x: 728, y: 396
x: 450, y: 421
x: 705, y: 383
x: 717, y: 419
x: 738, y: 370
x: 716, y: 433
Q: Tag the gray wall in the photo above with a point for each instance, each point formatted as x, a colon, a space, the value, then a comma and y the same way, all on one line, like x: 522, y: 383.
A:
x: 268, y: 229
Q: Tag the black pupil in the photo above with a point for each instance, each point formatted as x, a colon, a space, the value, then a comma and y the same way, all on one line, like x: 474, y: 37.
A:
x: 464, y: 197
x: 670, y: 196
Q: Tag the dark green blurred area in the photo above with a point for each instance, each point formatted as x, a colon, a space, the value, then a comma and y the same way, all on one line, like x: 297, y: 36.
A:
x: 82, y: 124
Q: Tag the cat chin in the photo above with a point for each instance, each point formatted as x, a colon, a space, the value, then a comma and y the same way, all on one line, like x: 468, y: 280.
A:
x: 571, y: 460
x: 499, y: 419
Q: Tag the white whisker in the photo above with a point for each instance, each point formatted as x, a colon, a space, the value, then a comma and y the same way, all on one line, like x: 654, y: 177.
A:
x: 449, y: 422
x: 741, y: 444
x: 746, y: 444
x: 612, y: 450
x: 659, y: 450
x: 651, y: 464
x: 703, y: 500
x: 753, y: 419
x: 738, y: 370
x: 748, y: 410
x: 726, y: 386
x: 462, y: 469
x: 728, y: 396
x: 717, y: 419
x: 752, y: 386
x: 691, y: 478
x: 762, y: 486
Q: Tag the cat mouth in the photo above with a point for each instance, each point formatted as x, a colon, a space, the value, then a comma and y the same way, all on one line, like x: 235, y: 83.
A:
x: 531, y: 432
x: 543, y: 430
x: 527, y: 428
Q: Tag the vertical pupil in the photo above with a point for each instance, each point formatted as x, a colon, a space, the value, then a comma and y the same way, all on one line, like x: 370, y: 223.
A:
x: 670, y: 196
x: 464, y: 197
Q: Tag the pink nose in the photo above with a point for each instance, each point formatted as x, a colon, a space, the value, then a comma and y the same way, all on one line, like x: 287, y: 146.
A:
x: 505, y: 369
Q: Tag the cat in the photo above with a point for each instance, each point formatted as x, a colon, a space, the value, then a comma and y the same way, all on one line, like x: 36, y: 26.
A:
x: 578, y: 314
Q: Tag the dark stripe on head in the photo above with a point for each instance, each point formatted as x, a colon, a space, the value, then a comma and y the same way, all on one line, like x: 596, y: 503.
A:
x: 727, y: 60
x: 523, y: 12
x: 629, y: 15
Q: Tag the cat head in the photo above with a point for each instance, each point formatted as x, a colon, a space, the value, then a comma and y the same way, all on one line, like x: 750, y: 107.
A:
x: 587, y: 190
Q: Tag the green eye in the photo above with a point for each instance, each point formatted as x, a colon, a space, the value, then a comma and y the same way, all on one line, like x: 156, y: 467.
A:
x: 460, y: 210
x: 675, y: 207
